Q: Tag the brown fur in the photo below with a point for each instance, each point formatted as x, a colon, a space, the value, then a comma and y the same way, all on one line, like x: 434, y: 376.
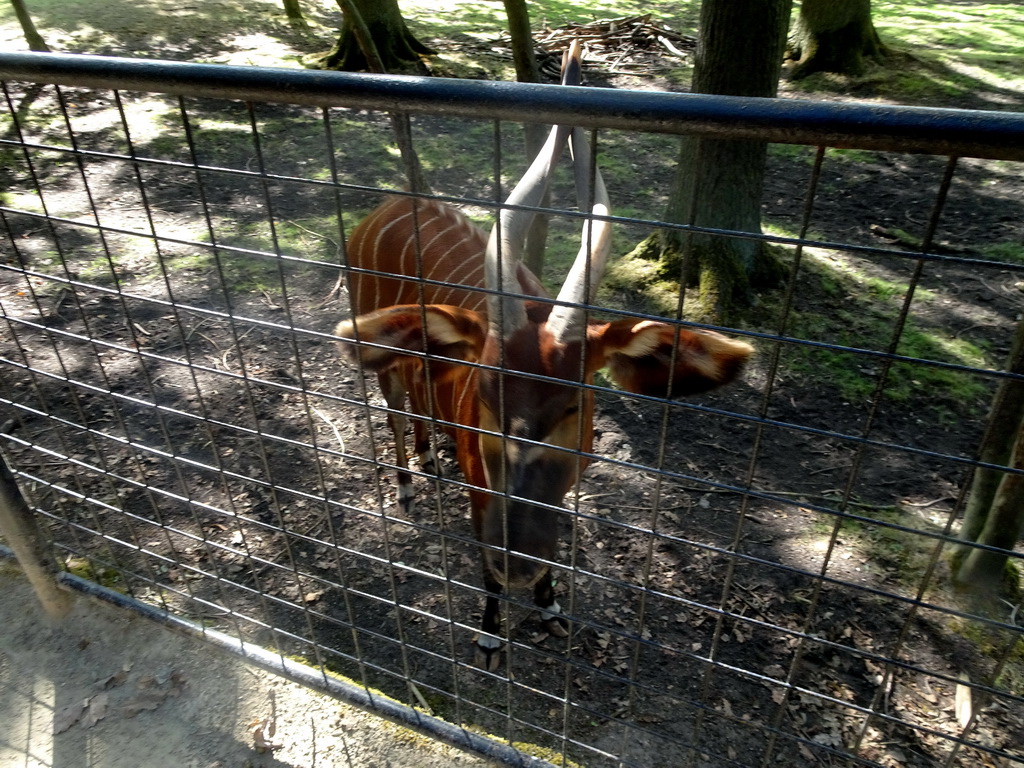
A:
x: 534, y: 431
x: 638, y: 355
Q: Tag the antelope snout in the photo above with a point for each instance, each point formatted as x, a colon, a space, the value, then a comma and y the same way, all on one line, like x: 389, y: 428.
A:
x: 514, y: 528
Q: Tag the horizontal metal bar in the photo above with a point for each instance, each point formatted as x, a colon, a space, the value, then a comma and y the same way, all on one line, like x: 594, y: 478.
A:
x: 967, y: 133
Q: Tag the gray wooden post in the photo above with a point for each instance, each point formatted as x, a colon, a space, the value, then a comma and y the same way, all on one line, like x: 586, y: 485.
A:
x: 19, y: 529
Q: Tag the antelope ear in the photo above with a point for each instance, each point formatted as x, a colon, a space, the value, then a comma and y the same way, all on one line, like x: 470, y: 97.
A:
x: 449, y: 332
x: 639, y: 358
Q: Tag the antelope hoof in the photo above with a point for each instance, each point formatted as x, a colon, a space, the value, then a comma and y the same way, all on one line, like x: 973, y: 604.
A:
x: 487, y: 653
x: 556, y: 626
x: 554, y: 623
x: 429, y: 463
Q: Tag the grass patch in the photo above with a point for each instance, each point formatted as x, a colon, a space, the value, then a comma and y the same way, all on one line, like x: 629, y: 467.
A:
x: 313, y: 239
x: 848, y: 156
x: 860, y: 311
x: 852, y: 309
x: 997, y: 645
x: 1011, y: 252
x: 797, y: 152
x: 105, y: 576
x: 942, y: 52
x: 244, y: 273
x: 88, y: 264
x: 994, y: 28
x: 896, y: 553
x: 855, y: 376
x: 483, y: 19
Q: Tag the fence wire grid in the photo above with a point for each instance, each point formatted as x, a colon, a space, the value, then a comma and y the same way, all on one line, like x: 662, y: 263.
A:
x: 753, y: 576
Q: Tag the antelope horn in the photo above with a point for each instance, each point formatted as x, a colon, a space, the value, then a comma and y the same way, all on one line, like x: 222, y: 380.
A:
x: 567, y: 321
x: 504, y: 248
x: 572, y: 64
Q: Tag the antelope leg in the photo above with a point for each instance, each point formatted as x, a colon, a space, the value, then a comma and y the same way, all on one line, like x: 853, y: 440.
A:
x: 550, y: 611
x: 487, y: 646
x: 394, y: 396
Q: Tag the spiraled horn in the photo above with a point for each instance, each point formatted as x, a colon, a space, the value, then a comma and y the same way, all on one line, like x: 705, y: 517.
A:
x: 505, y: 246
x: 567, y: 321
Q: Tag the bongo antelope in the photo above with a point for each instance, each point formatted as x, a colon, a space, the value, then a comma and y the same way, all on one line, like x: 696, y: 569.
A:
x: 519, y: 439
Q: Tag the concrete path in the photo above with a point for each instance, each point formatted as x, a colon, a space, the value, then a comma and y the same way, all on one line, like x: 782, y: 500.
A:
x: 106, y: 689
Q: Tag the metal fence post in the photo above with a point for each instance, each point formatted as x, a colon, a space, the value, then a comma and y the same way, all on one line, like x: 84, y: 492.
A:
x: 19, y: 528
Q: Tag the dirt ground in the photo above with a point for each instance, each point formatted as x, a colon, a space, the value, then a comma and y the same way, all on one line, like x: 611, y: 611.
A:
x: 104, y: 689
x: 249, y: 490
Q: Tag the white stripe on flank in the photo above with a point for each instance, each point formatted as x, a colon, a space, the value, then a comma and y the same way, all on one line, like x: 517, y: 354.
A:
x: 378, y: 299
x: 467, y: 387
x: 472, y: 279
x: 452, y: 252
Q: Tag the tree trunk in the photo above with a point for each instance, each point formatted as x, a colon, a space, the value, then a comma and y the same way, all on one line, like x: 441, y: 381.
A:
x: 995, y: 510
x: 982, y: 570
x: 719, y: 182
x: 523, y: 55
x: 400, y: 123
x: 32, y: 37
x: 834, y: 36
x: 395, y: 44
x: 293, y: 11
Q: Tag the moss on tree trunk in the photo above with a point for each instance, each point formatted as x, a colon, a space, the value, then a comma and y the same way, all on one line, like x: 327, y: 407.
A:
x: 719, y: 187
x: 995, y: 510
x: 720, y: 182
x: 834, y: 36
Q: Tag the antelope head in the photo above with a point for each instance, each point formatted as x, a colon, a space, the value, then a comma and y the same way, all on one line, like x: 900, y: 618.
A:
x: 536, y: 425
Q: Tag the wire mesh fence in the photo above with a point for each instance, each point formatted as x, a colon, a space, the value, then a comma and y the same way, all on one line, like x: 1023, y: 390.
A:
x: 759, y: 574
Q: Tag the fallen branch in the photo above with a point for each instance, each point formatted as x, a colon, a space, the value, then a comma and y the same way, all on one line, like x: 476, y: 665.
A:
x: 612, y: 46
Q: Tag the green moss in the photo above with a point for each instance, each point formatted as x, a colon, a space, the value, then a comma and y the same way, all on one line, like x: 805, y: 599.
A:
x: 996, y: 644
x: 533, y: 750
x: 105, y: 576
x: 439, y: 704
x: 1010, y: 251
x: 639, y: 282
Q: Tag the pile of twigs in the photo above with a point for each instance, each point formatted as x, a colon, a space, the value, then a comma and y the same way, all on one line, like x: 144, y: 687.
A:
x: 634, y: 45
x: 625, y: 46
